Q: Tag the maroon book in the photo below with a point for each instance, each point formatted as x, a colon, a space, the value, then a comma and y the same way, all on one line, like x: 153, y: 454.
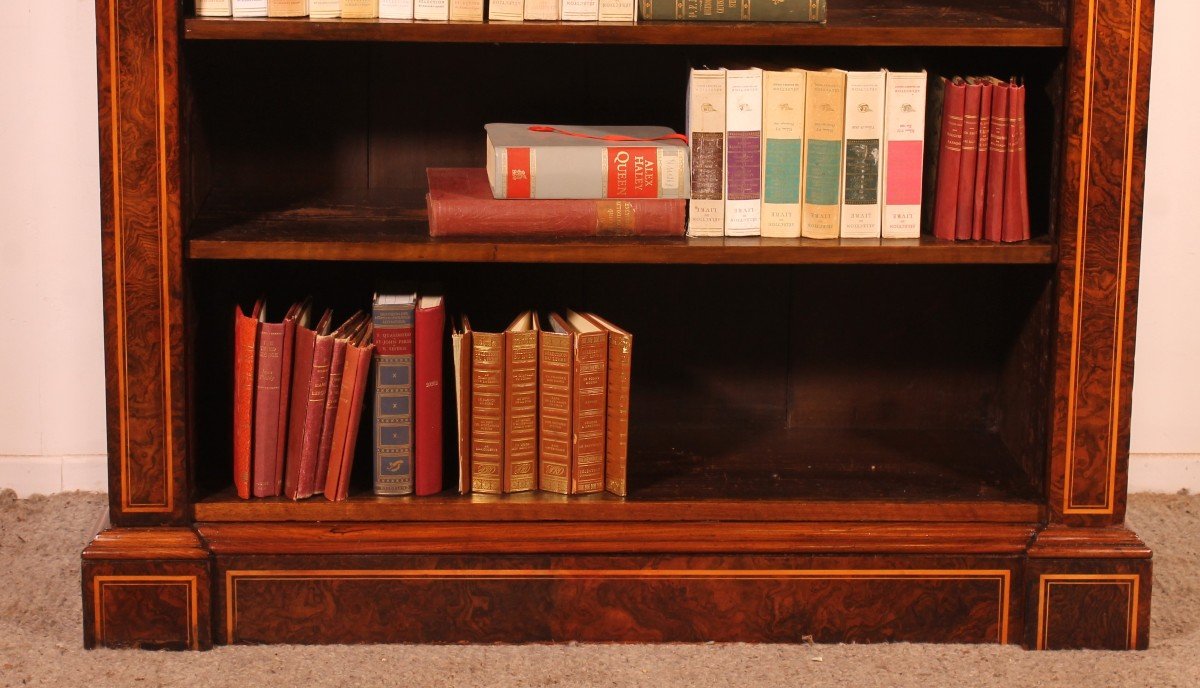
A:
x: 964, y: 209
x: 945, y: 207
x: 981, y: 158
x: 1015, y: 204
x: 993, y: 218
x: 272, y: 383
x: 301, y: 406
x: 430, y: 326
x: 460, y: 203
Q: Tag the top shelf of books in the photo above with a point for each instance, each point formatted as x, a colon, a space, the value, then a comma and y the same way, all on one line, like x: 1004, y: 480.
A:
x: 872, y: 22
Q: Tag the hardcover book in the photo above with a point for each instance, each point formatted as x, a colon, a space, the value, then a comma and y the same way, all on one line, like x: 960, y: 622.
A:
x: 556, y: 357
x: 520, y: 404
x: 337, y: 367
x: 1016, y: 201
x: 246, y: 328
x: 460, y: 203
x: 618, y: 10
x: 545, y: 10
x: 743, y: 151
x: 433, y: 10
x: 964, y: 209
x: 272, y: 383
x: 466, y: 10
x: 487, y: 410
x: 904, y: 150
x: 735, y: 10
x: 430, y: 326
x: 324, y: 9
x: 359, y: 351
x: 392, y: 314
x: 395, y: 9
x: 982, y: 143
x: 824, y: 125
x: 862, y: 153
x: 460, y: 347
x: 310, y: 383
x: 589, y: 403
x: 706, y: 133
x: 580, y: 10
x: 506, y: 10
x: 538, y: 161
x: 616, y: 444
x: 359, y: 9
x: 249, y: 8
x: 783, y: 151
x: 287, y: 8
x: 214, y: 8
x: 949, y: 158
x: 993, y: 211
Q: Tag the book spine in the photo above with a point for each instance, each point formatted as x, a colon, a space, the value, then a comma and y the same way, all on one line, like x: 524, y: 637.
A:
x: 783, y: 152
x: 520, y: 411
x: 268, y: 389
x: 466, y: 10
x: 634, y: 170
x: 506, y: 10
x: 706, y: 134
x: 297, y: 421
x: 618, y: 10
x: 214, y: 8
x: 981, y: 161
x: 285, y: 392
x: 743, y: 151
x: 245, y: 347
x: 616, y: 446
x: 461, y: 348
x: 563, y: 218
x: 545, y: 10
x: 963, y: 212
x: 487, y: 412
x: 393, y: 399
x: 862, y: 153
x: 432, y: 10
x: 736, y: 10
x: 904, y: 152
x: 824, y: 126
x: 325, y: 9
x: 993, y: 210
x: 950, y: 147
x: 430, y: 324
x: 249, y: 8
x: 337, y: 368
x: 554, y: 412
x: 579, y: 10
x: 395, y: 9
x: 287, y: 8
x: 1022, y: 162
x: 314, y: 417
x: 359, y: 9
x: 1015, y: 206
x: 345, y: 432
x: 589, y: 412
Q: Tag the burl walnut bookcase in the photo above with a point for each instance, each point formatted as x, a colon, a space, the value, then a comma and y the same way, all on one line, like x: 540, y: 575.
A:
x: 897, y: 440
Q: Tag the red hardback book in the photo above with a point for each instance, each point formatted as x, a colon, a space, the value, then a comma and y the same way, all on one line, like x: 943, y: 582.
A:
x: 964, y: 209
x: 359, y: 351
x: 271, y: 386
x: 245, y: 354
x: 1022, y: 179
x: 1012, y: 229
x: 337, y: 366
x: 460, y: 203
x: 981, y: 157
x: 993, y: 217
x: 310, y: 379
x: 945, y: 209
x: 430, y: 325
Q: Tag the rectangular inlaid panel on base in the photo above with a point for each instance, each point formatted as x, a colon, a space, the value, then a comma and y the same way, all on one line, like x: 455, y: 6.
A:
x: 146, y: 604
x: 362, y: 599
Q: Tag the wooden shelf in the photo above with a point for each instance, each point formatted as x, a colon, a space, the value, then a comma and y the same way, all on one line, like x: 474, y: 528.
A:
x: 851, y: 22
x: 729, y: 474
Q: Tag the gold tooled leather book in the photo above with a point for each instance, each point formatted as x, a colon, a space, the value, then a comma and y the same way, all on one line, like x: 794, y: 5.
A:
x: 616, y: 431
x: 520, y: 404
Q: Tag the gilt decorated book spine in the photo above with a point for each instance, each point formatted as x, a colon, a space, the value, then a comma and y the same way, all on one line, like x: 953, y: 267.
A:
x: 964, y: 211
x: 735, y: 10
x: 616, y: 446
x: 333, y: 397
x: 395, y: 9
x: 903, y: 155
x: 394, y: 396
x: 783, y: 151
x: 589, y: 412
x: 272, y: 382
x: 287, y: 8
x: 862, y: 153
x: 466, y: 10
x: 824, y: 124
x: 993, y: 211
x: 249, y: 8
x: 554, y: 411
x: 214, y: 8
x: 487, y: 412
x: 743, y: 151
x: 520, y: 411
x: 982, y: 143
x: 706, y: 134
x: 297, y: 422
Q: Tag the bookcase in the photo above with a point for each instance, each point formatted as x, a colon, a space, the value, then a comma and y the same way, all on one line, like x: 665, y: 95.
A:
x: 860, y: 441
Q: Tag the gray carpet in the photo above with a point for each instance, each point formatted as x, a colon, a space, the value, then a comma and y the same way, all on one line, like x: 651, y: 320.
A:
x: 40, y: 636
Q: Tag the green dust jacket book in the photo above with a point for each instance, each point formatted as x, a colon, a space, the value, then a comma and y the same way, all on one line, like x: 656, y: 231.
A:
x: 735, y: 10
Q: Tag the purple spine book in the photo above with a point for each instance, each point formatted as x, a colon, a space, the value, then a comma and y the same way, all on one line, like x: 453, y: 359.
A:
x: 743, y: 151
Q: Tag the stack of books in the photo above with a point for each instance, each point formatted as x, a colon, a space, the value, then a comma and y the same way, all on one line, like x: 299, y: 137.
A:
x: 566, y: 181
x: 981, y: 189
x: 814, y: 153
x: 297, y: 401
x: 543, y: 405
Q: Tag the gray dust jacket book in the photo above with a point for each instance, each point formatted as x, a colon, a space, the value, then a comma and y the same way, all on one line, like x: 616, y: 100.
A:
x: 575, y: 161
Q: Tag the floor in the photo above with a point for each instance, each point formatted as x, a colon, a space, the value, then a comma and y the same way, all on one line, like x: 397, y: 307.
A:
x: 40, y: 637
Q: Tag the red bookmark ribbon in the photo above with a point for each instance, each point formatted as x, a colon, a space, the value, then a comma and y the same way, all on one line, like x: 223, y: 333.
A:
x: 540, y: 128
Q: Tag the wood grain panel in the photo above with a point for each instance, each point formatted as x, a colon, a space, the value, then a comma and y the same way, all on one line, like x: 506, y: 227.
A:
x: 148, y: 604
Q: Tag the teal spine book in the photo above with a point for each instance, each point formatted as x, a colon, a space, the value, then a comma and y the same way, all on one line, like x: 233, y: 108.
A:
x: 808, y: 11
x: 393, y: 315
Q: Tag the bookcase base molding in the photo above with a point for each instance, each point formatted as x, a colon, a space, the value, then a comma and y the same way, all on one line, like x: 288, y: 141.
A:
x: 1056, y: 588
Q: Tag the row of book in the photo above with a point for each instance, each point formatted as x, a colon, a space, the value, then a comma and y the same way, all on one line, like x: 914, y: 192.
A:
x: 981, y: 187
x: 297, y: 401
x: 814, y: 153
x: 543, y: 405
x: 522, y: 10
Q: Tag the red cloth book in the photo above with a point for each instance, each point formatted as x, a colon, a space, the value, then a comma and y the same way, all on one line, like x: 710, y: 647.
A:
x: 945, y: 212
x: 430, y: 325
x: 272, y: 383
x: 964, y: 209
x: 309, y: 380
x: 993, y: 218
x: 460, y: 203
x: 337, y: 366
x: 1015, y: 205
x: 245, y: 355
x: 981, y: 158
x: 1022, y: 179
x: 359, y: 351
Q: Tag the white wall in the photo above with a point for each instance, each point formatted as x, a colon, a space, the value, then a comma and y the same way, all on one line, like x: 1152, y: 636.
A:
x: 51, y: 361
